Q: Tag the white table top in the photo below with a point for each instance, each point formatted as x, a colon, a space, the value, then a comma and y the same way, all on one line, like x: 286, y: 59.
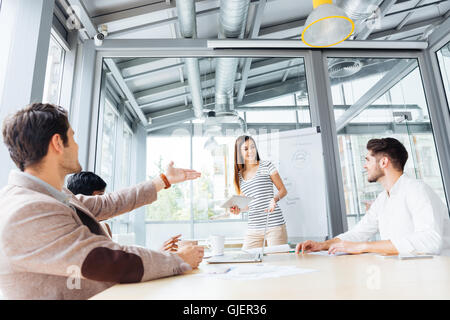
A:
x: 337, y: 277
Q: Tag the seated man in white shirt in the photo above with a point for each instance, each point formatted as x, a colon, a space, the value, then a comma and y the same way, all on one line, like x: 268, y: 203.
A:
x: 408, y: 214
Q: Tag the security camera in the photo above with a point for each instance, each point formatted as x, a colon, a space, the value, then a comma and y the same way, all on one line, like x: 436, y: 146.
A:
x: 99, y: 37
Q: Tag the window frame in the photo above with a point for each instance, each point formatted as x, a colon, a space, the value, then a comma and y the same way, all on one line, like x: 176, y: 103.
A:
x: 318, y: 90
x: 113, y: 108
x: 63, y: 48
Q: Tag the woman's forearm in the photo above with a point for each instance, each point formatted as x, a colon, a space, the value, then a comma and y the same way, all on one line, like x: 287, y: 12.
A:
x: 281, y: 194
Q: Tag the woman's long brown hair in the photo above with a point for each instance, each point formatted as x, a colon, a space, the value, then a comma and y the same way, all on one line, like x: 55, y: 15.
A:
x: 239, y: 163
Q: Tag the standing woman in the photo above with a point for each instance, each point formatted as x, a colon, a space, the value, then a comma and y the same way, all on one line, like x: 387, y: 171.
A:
x: 255, y: 178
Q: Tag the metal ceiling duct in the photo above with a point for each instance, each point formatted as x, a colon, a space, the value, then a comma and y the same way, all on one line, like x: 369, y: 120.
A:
x: 340, y: 68
x: 188, y: 29
x: 358, y: 9
x: 232, y: 21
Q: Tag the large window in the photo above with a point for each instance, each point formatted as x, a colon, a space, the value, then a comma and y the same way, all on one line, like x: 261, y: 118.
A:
x: 114, y: 165
x: 381, y: 98
x: 276, y: 100
x: 173, y: 204
x: 125, y: 175
x: 444, y: 64
x: 53, y: 73
x: 109, y: 137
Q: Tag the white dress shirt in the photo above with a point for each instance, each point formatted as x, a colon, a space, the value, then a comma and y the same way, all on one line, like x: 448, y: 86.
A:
x: 412, y: 216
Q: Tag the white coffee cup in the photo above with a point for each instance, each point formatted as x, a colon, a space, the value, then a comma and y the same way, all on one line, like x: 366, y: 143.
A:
x: 216, y: 244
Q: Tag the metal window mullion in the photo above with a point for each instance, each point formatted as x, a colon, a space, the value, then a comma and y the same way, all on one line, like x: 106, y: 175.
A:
x: 297, y: 122
x: 438, y: 111
x: 101, y: 106
x: 191, y: 183
x: 322, y: 115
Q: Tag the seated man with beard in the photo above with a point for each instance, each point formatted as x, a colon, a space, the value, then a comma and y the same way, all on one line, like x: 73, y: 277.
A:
x: 409, y: 216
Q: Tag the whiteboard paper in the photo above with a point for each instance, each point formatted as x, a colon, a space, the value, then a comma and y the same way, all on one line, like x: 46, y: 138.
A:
x: 298, y: 156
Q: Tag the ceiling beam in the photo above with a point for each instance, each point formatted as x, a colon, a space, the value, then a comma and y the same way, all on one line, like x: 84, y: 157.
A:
x: 132, y: 20
x: 125, y: 89
x: 167, y: 112
x: 176, y: 89
x: 408, y: 16
x: 407, y: 28
x: 295, y: 44
x: 168, y: 90
x: 351, y: 129
x: 170, y: 120
x: 254, y: 31
x: 383, y: 127
x: 440, y: 32
x: 283, y: 30
x: 157, y: 23
x: 335, y: 107
x: 137, y: 19
x: 389, y: 80
x: 82, y: 14
x: 270, y: 91
x: 418, y: 8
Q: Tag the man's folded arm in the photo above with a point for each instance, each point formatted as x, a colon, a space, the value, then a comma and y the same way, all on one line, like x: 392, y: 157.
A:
x: 52, y: 242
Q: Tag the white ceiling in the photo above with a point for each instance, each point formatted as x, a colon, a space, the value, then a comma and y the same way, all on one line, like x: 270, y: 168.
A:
x: 151, y: 19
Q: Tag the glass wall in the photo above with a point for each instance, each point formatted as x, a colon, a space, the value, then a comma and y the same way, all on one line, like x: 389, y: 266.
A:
x: 274, y: 101
x: 114, y: 162
x: 444, y: 64
x: 372, y: 97
x: 375, y: 98
x: 53, y: 73
x: 108, y: 145
x: 173, y: 204
x: 125, y: 175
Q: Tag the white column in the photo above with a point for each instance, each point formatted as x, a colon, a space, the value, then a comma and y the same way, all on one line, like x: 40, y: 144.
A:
x: 82, y: 103
x: 25, y: 27
x: 139, y: 167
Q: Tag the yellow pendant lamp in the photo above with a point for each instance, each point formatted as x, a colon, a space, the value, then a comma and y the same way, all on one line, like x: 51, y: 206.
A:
x: 327, y: 25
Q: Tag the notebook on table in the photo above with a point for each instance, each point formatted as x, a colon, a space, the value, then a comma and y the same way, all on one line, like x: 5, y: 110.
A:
x: 242, y: 257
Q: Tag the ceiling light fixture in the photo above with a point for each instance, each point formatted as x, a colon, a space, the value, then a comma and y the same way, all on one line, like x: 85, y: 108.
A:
x: 327, y: 25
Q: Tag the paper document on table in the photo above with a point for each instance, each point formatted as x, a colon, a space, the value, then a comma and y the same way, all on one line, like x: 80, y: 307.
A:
x: 325, y: 253
x: 255, y: 272
x: 271, y: 249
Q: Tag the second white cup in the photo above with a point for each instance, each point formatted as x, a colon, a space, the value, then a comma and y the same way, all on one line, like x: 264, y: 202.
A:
x: 216, y: 244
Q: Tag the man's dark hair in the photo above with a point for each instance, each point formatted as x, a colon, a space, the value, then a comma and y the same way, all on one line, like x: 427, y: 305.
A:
x: 391, y: 148
x: 86, y: 183
x: 28, y: 132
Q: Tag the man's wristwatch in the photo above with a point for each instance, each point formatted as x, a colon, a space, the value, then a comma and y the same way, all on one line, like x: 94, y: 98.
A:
x: 165, y: 180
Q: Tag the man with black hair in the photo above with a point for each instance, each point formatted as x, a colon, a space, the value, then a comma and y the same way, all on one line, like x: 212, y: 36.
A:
x: 87, y: 183
x: 90, y: 184
x: 408, y: 214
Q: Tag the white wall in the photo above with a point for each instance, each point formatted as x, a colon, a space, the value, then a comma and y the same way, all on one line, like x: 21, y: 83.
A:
x: 25, y: 35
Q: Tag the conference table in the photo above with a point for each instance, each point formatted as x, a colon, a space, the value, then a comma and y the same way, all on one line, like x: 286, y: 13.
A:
x: 366, y: 276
